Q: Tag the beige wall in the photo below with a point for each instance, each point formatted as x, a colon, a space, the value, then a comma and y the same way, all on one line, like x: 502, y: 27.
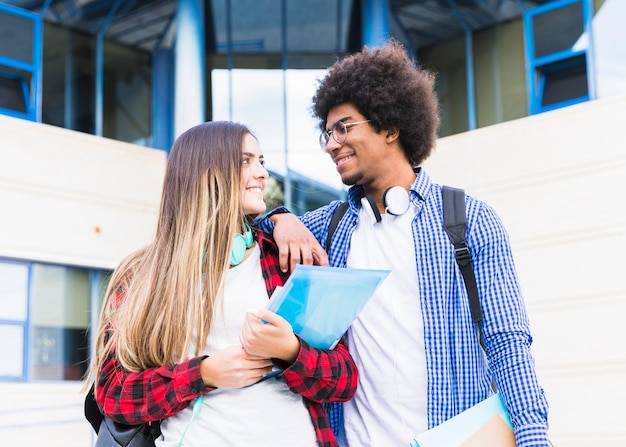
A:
x: 40, y: 413
x: 72, y: 198
x: 558, y: 181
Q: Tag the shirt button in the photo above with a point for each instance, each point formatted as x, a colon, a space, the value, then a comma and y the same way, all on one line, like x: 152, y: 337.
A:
x: 194, y: 391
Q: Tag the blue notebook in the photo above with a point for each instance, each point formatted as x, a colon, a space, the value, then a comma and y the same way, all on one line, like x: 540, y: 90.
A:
x: 486, y: 424
x: 321, y: 303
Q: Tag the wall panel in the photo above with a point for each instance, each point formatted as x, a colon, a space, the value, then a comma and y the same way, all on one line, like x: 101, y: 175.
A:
x: 74, y: 198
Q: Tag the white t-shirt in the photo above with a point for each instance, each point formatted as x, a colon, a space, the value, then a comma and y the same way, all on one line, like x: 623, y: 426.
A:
x: 265, y: 414
x: 387, y: 339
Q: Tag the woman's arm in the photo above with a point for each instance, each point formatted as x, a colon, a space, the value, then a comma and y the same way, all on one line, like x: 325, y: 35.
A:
x: 323, y: 375
x: 157, y: 393
x: 154, y: 394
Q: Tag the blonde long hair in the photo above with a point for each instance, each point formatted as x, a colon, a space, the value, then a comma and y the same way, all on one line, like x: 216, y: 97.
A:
x: 161, y: 299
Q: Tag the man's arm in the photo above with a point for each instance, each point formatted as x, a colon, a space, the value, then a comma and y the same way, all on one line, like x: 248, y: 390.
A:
x: 296, y: 244
x: 506, y: 330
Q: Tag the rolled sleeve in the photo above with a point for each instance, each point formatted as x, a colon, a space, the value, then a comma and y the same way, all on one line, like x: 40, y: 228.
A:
x: 149, y: 395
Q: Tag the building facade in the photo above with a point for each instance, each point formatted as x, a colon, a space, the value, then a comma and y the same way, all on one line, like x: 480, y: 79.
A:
x: 93, y: 92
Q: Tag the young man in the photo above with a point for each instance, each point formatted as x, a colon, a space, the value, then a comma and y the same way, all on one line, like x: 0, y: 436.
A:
x: 419, y: 357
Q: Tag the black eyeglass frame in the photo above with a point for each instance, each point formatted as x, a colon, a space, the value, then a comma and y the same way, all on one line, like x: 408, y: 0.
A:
x: 339, y: 133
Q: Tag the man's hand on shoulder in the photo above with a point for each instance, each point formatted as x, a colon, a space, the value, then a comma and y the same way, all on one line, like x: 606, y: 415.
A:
x: 296, y: 244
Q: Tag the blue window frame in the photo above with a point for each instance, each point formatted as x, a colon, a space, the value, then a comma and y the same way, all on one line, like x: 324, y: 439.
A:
x: 47, y: 314
x: 20, y: 62
x: 14, y: 316
x: 558, y: 45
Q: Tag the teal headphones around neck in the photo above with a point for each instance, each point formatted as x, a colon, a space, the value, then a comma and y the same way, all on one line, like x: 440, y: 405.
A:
x: 240, y: 244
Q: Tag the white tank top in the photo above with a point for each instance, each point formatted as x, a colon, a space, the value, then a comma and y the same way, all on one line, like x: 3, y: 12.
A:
x: 264, y: 414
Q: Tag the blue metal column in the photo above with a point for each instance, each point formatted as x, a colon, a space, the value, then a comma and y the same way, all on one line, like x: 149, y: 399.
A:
x: 162, y: 98
x: 189, y: 99
x: 592, y: 87
x: 95, y: 283
x: 100, y: 69
x: 163, y: 89
x: 469, y: 73
x: 288, y: 187
x: 375, y: 15
x: 529, y: 59
x: 68, y: 102
x: 39, y: 59
x: 229, y: 57
x: 469, y: 67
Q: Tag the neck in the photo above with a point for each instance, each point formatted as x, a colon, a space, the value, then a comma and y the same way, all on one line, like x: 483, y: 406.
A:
x: 403, y: 177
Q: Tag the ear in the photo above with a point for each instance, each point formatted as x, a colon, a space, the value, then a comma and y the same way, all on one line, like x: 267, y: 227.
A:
x: 392, y: 134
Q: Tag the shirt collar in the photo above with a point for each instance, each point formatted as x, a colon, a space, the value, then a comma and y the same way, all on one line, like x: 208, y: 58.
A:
x: 418, y: 192
x: 421, y: 186
x: 265, y: 241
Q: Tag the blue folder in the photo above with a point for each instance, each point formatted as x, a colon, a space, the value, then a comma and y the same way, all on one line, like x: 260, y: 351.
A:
x: 321, y: 303
x: 489, y: 415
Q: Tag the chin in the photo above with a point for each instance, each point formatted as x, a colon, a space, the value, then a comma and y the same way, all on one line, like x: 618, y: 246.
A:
x: 258, y: 209
x: 350, y: 180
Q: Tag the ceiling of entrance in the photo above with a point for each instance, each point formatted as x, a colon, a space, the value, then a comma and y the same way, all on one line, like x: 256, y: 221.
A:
x: 149, y: 24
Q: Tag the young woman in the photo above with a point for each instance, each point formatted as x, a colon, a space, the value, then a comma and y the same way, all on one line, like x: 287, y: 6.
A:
x: 183, y: 337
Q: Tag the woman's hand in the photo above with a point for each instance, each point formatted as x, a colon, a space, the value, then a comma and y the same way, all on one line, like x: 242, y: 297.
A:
x: 273, y: 338
x: 296, y: 244
x: 233, y: 367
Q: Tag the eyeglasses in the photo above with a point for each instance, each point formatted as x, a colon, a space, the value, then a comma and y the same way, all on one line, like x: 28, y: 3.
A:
x: 339, y: 133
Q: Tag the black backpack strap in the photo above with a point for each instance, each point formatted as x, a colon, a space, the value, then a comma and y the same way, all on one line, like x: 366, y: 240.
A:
x: 334, y: 221
x: 454, y: 222
x: 92, y: 412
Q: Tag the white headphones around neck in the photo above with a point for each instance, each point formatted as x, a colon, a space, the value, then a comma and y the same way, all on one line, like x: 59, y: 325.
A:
x: 395, y: 200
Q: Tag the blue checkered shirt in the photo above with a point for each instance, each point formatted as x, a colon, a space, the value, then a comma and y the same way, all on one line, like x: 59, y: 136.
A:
x: 460, y: 373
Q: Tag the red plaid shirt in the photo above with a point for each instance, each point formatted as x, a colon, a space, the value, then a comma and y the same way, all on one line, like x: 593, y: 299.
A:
x: 320, y: 376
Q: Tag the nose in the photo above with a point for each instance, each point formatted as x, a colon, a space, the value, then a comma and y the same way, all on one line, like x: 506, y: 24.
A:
x: 261, y: 172
x: 332, y: 145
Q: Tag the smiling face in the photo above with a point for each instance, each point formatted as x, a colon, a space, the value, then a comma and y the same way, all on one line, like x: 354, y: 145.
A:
x: 358, y: 159
x: 366, y: 157
x: 253, y: 177
x: 353, y: 157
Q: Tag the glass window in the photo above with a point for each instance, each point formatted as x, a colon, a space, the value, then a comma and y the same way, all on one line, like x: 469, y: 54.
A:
x: 11, y: 350
x: 127, y: 94
x: 565, y: 81
x: 13, y: 291
x: 318, y: 26
x: 448, y: 61
x: 14, y: 90
x: 16, y: 37
x: 46, y: 337
x: 68, y: 90
x: 59, y: 321
x: 254, y: 26
x: 18, y: 65
x: 13, y: 316
x: 257, y: 100
x: 557, y: 30
x: 557, y: 66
